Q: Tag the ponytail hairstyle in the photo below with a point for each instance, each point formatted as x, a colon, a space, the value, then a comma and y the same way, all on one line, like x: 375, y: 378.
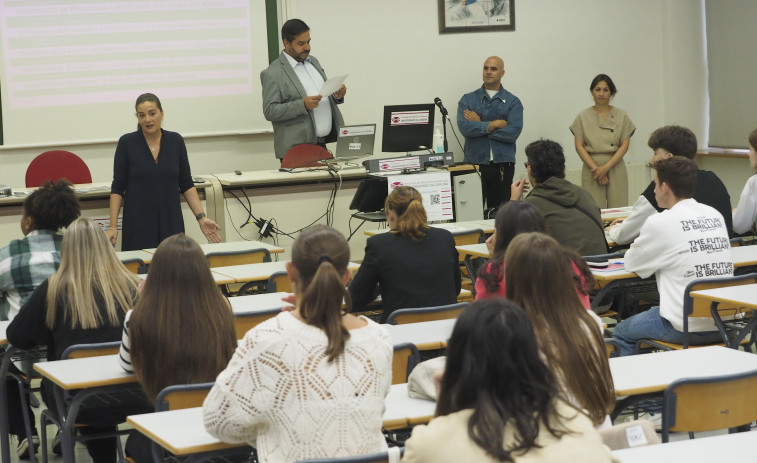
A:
x: 407, y: 203
x: 321, y: 254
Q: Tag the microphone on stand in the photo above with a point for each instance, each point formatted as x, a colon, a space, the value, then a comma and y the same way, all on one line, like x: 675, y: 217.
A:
x: 442, y: 109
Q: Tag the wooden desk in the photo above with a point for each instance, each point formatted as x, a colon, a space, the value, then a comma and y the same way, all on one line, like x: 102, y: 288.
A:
x: 487, y: 226
x: 727, y: 447
x: 233, y: 246
x: 219, y: 278
x: 141, y: 254
x: 3, y: 329
x: 608, y: 215
x: 259, y: 272
x: 425, y: 335
x: 82, y: 378
x: 182, y: 432
x: 647, y: 373
x: 744, y: 256
x: 744, y: 296
x: 473, y: 250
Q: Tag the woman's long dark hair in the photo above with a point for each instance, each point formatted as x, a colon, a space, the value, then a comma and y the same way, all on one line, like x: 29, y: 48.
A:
x: 512, y: 219
x: 494, y: 368
x: 182, y: 329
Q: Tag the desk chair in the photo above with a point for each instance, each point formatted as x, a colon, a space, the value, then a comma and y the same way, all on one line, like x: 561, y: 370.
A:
x: 390, y: 456
x: 705, y: 404
x: 244, y: 322
x: 51, y: 417
x: 425, y: 314
x: 405, y: 358
x: 57, y: 164
x: 700, y: 308
x: 134, y: 265
x: 279, y: 282
x: 612, y: 348
x: 464, y: 237
x: 22, y: 379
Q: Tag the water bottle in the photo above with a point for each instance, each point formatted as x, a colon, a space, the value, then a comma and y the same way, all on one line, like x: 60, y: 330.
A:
x: 438, y: 139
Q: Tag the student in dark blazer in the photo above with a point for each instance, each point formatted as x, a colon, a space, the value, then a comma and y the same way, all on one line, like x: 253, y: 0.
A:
x: 291, y: 99
x: 413, y: 265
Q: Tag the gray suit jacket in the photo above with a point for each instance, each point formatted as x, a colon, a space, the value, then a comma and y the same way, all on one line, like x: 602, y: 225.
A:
x: 283, y: 96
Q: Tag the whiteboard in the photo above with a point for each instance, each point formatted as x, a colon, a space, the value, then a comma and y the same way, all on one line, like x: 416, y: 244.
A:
x: 71, y: 70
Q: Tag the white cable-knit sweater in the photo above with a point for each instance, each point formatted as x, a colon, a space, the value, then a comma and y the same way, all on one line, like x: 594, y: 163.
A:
x: 281, y: 395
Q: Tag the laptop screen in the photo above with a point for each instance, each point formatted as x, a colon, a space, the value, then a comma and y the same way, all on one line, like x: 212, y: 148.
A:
x: 354, y: 141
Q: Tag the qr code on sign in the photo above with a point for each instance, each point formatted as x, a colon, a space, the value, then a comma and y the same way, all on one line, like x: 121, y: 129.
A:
x: 435, y: 199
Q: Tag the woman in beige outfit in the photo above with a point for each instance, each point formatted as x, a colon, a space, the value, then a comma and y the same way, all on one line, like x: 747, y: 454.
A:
x: 602, y: 137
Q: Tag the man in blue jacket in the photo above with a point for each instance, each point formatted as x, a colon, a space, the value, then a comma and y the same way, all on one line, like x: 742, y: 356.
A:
x: 491, y: 119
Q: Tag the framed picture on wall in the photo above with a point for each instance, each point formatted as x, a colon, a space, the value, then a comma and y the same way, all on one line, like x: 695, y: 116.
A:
x: 476, y: 15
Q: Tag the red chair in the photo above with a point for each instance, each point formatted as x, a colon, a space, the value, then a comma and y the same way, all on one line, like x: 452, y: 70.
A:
x: 305, y: 155
x: 54, y: 165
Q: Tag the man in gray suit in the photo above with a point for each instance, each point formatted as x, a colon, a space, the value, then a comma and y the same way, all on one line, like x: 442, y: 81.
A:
x: 291, y: 100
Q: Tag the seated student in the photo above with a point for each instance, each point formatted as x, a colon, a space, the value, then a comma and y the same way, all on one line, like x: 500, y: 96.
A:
x: 27, y: 262
x: 676, y: 245
x: 311, y: 382
x: 540, y: 278
x: 666, y: 142
x: 179, y: 296
x: 570, y: 213
x: 499, y: 401
x: 745, y: 215
x: 84, y: 302
x: 413, y: 265
x: 24, y: 264
x: 512, y: 219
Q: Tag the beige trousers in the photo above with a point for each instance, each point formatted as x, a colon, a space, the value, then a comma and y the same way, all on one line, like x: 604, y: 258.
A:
x: 615, y: 194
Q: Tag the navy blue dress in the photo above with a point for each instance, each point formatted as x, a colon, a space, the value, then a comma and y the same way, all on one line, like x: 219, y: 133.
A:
x: 152, y: 206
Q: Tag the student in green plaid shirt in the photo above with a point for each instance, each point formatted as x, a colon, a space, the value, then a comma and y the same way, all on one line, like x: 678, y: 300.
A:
x: 27, y: 262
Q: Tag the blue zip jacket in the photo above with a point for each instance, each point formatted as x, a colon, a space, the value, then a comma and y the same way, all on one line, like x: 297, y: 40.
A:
x: 478, y: 140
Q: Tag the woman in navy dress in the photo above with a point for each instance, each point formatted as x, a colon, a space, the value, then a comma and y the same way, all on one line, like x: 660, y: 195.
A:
x: 150, y: 169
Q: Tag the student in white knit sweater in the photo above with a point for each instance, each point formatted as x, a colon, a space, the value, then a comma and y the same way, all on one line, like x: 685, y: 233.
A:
x: 687, y: 241
x: 309, y: 383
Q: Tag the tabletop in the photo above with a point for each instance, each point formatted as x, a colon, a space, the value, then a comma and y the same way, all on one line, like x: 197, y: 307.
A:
x: 744, y: 255
x: 182, y: 432
x: 487, y: 226
x: 475, y: 250
x: 219, y: 278
x: 257, y: 302
x: 3, y: 336
x: 140, y: 254
x: 85, y: 372
x: 742, y: 295
x: 429, y: 335
x: 233, y: 246
x: 646, y: 373
x: 259, y: 272
x: 727, y: 447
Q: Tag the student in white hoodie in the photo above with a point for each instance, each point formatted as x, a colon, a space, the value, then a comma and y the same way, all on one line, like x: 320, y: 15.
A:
x: 687, y: 241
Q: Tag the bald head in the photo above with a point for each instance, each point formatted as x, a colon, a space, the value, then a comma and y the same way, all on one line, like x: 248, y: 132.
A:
x: 494, y: 70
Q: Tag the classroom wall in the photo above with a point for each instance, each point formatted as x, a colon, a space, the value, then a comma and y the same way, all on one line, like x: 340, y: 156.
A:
x: 393, y: 53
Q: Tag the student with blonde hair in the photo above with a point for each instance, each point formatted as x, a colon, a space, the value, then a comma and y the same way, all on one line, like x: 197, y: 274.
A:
x: 570, y: 338
x: 413, y: 265
x: 84, y: 302
x: 179, y: 297
x: 311, y: 382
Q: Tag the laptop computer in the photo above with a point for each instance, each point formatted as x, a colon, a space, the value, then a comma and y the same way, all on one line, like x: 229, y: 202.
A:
x: 354, y: 141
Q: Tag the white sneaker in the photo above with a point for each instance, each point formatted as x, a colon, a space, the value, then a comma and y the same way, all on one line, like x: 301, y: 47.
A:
x: 22, y: 450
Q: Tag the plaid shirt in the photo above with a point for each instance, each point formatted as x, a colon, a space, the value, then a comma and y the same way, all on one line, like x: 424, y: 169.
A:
x: 24, y: 265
